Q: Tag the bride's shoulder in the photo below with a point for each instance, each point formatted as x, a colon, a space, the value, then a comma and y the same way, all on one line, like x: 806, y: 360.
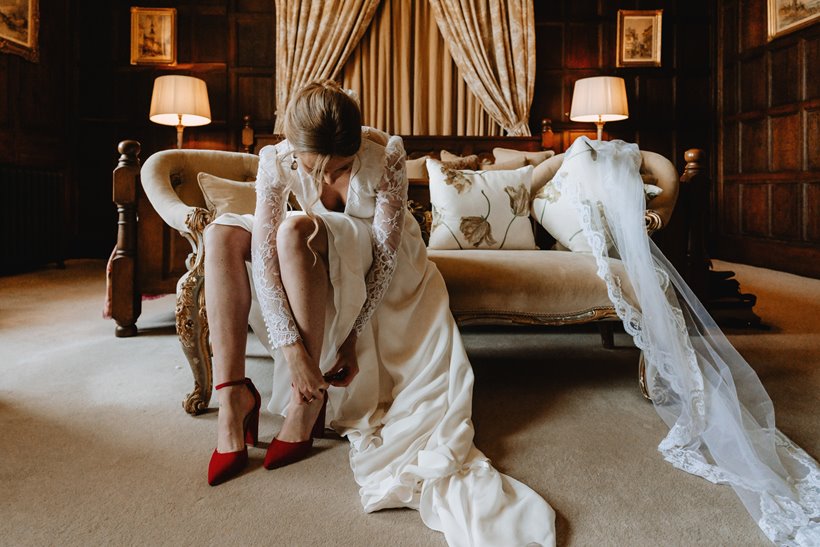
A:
x: 275, y: 153
x: 375, y: 136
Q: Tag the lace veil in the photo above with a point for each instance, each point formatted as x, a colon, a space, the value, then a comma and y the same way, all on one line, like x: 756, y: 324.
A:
x: 720, y: 417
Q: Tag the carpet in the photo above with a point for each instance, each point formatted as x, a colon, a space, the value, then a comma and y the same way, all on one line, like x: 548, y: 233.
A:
x: 96, y: 450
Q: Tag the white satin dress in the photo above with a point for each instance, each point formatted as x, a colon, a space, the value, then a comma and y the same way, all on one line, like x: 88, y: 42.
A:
x: 407, y: 414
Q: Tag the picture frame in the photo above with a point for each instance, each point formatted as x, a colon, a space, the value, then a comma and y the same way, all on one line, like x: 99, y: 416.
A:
x: 19, y: 28
x: 785, y: 16
x: 639, y: 38
x: 153, y: 36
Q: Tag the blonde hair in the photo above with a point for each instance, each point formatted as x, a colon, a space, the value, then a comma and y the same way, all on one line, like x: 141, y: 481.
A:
x: 322, y: 119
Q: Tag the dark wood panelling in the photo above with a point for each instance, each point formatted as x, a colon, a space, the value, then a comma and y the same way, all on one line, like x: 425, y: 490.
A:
x: 754, y: 213
x: 813, y: 139
x: 786, y: 80
x: 754, y: 146
x: 753, y: 83
x: 813, y: 212
x: 786, y: 197
x: 731, y: 207
x: 753, y: 23
x: 583, y: 50
x: 787, y: 150
x: 812, y: 61
x: 774, y: 190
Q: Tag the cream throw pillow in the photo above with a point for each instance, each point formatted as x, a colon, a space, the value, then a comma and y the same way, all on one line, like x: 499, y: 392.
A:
x: 533, y: 158
x: 227, y: 196
x: 480, y: 209
x: 417, y: 168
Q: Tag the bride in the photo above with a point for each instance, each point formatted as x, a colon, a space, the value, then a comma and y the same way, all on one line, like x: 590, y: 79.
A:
x: 361, y: 329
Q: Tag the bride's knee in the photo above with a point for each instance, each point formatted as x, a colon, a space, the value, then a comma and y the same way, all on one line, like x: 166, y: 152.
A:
x: 221, y: 241
x: 294, y: 232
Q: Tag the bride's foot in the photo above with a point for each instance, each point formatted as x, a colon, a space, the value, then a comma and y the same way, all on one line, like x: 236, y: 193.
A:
x: 235, y: 403
x: 301, y: 417
x: 305, y: 420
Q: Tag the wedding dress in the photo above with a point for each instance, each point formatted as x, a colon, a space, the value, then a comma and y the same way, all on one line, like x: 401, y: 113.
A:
x: 407, y: 414
x: 720, y: 417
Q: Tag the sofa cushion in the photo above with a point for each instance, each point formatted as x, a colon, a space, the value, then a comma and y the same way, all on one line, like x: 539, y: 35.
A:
x: 227, y: 196
x: 532, y: 158
x: 530, y: 287
x: 480, y: 209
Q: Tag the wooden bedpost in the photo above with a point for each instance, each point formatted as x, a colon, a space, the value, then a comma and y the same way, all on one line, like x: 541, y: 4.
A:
x: 126, y: 300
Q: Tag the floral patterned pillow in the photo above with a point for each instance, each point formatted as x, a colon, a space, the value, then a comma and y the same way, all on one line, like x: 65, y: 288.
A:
x: 480, y: 209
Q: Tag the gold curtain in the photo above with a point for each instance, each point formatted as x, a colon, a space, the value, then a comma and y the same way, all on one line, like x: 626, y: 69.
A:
x: 406, y: 79
x: 314, y: 38
x: 493, y: 43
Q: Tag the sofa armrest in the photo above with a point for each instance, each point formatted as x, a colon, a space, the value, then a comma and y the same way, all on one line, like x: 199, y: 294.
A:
x: 156, y: 178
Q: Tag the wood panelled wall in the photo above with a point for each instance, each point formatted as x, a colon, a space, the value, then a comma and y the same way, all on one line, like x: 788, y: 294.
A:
x: 767, y: 198
x: 671, y: 107
x: 73, y: 107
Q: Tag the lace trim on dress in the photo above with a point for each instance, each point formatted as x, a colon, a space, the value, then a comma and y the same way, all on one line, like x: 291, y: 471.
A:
x: 388, y: 220
x: 271, y: 201
x: 699, y: 384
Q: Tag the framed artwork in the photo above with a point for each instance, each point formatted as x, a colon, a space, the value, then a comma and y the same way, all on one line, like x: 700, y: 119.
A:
x: 786, y: 16
x: 639, y: 38
x: 19, y: 25
x: 153, y: 36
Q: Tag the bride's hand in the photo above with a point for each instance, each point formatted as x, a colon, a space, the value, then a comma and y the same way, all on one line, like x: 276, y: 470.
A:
x: 346, y: 366
x: 305, y: 374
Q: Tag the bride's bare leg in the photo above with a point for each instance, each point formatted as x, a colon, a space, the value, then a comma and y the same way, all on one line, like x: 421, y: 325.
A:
x: 305, y: 280
x: 228, y: 302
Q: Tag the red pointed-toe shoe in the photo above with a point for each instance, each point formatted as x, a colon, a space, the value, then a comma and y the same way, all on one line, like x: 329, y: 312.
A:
x: 281, y: 453
x: 226, y: 465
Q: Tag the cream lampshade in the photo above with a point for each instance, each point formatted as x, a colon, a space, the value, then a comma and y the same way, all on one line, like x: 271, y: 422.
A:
x: 600, y: 99
x: 181, y: 101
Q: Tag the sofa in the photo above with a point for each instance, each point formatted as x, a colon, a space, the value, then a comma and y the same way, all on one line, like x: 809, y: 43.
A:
x: 545, y: 287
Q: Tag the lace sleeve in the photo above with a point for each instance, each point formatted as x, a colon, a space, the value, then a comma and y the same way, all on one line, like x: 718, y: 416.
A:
x: 391, y: 201
x: 271, y: 195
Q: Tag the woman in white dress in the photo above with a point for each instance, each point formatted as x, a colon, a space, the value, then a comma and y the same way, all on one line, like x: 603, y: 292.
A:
x: 361, y: 329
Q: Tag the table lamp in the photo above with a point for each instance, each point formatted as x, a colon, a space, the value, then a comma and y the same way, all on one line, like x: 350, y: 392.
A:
x: 599, y: 99
x: 181, y: 101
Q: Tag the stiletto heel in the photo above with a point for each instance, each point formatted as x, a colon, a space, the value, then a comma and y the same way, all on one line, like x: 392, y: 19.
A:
x: 281, y: 453
x: 224, y: 466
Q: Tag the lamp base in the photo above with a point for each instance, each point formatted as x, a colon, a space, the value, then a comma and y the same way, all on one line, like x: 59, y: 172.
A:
x: 180, y: 127
x: 600, y: 125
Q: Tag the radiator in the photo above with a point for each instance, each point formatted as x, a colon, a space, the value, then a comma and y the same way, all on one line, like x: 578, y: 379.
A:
x: 32, y: 218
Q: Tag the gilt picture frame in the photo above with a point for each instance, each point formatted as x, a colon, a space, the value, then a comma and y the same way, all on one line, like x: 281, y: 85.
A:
x: 785, y: 16
x: 639, y: 38
x: 153, y: 36
x: 19, y: 28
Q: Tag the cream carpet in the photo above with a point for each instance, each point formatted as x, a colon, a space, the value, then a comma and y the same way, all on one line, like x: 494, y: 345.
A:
x: 95, y: 448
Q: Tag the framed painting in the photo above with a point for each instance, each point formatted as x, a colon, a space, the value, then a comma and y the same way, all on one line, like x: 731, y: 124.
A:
x: 153, y: 36
x: 787, y: 16
x: 19, y: 25
x: 639, y: 38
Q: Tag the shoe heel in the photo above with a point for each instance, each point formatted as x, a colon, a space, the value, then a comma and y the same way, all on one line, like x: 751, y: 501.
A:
x: 252, y: 429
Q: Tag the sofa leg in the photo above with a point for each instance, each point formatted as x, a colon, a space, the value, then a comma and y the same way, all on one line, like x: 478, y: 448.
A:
x: 192, y: 328
x: 642, y: 378
x: 607, y: 331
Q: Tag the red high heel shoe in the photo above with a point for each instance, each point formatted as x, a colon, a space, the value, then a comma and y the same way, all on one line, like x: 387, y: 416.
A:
x: 224, y: 466
x: 281, y: 453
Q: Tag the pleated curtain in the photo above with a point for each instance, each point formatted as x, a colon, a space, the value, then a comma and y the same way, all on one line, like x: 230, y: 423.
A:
x: 493, y: 43
x: 314, y: 38
x: 407, y: 80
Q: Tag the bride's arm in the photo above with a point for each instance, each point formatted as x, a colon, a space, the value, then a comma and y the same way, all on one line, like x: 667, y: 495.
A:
x: 271, y: 195
x: 391, y: 202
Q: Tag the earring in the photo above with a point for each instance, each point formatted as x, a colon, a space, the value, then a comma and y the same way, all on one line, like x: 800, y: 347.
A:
x: 293, y: 164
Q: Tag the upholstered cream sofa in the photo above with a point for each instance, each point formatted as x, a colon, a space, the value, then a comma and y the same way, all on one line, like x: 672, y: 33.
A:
x: 486, y: 287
